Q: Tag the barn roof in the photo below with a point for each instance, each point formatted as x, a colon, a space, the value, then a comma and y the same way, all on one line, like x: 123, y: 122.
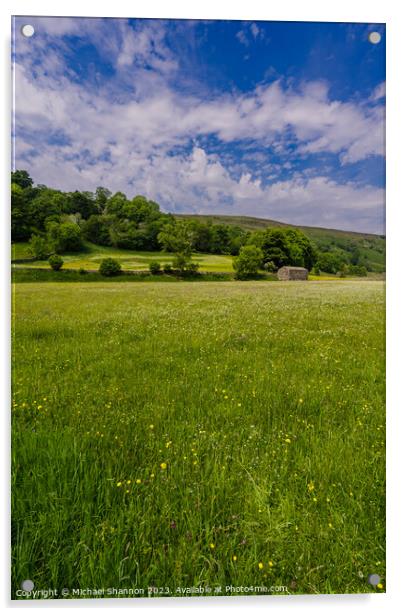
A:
x: 292, y: 267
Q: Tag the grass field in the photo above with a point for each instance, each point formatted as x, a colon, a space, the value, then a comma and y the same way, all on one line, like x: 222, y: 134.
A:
x: 199, y: 434
x: 91, y: 257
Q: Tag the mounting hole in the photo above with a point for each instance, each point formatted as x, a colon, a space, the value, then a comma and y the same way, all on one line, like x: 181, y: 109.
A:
x: 374, y: 579
x: 374, y: 37
x: 28, y: 30
x: 27, y: 585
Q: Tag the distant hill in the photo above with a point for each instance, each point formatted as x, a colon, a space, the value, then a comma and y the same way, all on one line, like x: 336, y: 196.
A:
x: 371, y: 247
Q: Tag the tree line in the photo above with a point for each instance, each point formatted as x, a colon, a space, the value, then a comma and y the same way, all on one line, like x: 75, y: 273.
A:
x: 56, y: 222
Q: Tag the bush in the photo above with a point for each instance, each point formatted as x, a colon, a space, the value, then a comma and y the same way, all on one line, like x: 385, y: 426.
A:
x: 248, y: 262
x: 65, y: 237
x: 192, y: 268
x: 269, y: 266
x: 82, y: 271
x: 167, y: 268
x: 38, y: 247
x: 357, y: 270
x: 316, y: 271
x: 184, y: 265
x: 109, y: 267
x: 329, y: 262
x: 56, y: 262
x: 155, y: 267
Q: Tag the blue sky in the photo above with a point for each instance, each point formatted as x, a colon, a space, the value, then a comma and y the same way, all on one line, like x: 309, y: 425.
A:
x: 282, y: 120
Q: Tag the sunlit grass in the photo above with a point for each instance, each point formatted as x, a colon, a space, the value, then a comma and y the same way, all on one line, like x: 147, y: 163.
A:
x: 130, y: 260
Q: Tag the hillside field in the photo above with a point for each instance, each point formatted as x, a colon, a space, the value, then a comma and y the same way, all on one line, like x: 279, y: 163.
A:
x: 177, y: 435
x: 91, y: 257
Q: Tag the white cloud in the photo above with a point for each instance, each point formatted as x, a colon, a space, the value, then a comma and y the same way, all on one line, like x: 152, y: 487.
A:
x: 124, y: 140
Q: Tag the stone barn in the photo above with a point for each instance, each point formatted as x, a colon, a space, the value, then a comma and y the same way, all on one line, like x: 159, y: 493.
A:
x: 288, y: 272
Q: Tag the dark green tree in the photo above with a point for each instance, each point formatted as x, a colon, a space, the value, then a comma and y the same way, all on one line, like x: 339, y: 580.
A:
x: 101, y: 198
x: 82, y: 203
x: 20, y: 214
x: 96, y: 230
x: 115, y: 205
x: 275, y: 247
x: 21, y: 178
x: 64, y: 237
x: 140, y: 210
x: 48, y: 205
x: 201, y: 233
x: 249, y: 261
x: 220, y: 239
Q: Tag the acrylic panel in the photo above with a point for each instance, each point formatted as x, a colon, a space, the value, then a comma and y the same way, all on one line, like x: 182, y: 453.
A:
x: 198, y: 264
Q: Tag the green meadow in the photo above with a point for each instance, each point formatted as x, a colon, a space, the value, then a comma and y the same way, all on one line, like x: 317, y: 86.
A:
x: 92, y: 255
x: 185, y: 435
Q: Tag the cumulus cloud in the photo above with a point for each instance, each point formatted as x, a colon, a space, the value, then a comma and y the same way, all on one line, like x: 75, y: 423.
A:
x: 127, y: 136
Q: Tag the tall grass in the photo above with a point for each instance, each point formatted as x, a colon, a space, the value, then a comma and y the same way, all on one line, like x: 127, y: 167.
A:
x: 184, y: 435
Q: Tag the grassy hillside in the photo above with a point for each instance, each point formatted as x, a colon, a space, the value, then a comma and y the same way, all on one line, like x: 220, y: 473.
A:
x: 251, y: 223
x: 371, y: 246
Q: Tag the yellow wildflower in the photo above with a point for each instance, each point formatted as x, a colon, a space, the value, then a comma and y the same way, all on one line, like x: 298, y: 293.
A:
x: 234, y: 557
x: 138, y: 481
x: 261, y: 565
x: 163, y: 466
x: 212, y: 546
